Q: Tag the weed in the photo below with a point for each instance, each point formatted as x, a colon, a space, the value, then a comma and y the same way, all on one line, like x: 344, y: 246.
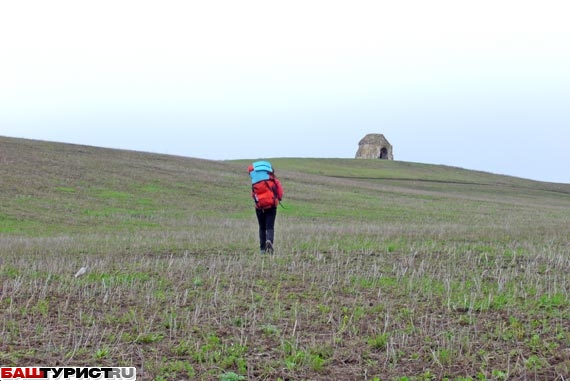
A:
x: 149, y: 338
x: 102, y: 353
x: 499, y: 374
x: 379, y: 342
x: 174, y: 370
x: 231, y: 376
x: 535, y: 363
x: 270, y: 329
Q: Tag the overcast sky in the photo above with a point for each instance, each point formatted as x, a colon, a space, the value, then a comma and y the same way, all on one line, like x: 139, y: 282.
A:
x: 481, y: 85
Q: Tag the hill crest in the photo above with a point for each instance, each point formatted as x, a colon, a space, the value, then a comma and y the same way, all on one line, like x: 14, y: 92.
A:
x: 49, y: 186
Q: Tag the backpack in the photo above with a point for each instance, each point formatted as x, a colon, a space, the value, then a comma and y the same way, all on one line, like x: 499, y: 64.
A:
x: 263, y: 188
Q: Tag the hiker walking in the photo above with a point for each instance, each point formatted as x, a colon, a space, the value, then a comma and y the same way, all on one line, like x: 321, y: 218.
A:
x: 266, y: 191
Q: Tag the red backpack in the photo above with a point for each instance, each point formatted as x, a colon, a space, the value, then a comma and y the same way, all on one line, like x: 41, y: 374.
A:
x: 265, y: 194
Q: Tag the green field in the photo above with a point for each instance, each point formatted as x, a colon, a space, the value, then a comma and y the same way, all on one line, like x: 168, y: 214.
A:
x: 383, y: 270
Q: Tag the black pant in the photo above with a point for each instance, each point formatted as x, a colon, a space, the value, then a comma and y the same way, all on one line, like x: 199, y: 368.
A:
x: 266, y: 220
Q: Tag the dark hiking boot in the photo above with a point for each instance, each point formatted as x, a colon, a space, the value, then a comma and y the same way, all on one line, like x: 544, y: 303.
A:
x: 269, y: 247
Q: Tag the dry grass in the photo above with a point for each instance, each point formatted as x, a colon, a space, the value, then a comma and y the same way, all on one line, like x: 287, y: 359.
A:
x: 379, y: 273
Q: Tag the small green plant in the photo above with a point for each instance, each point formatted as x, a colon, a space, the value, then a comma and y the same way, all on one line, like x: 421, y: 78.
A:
x: 176, y: 369
x: 184, y: 348
x: 316, y: 362
x: 102, y: 353
x: 149, y: 338
x: 231, y: 376
x: 444, y: 356
x: 427, y: 376
x: 269, y: 329
x: 379, y: 342
x: 535, y: 363
x: 499, y: 374
x: 41, y: 307
x: 210, y: 351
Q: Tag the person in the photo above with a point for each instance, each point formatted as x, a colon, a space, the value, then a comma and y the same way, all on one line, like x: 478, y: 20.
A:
x: 266, y: 194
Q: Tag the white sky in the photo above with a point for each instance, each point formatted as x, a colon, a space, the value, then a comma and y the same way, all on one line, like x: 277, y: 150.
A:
x: 481, y: 84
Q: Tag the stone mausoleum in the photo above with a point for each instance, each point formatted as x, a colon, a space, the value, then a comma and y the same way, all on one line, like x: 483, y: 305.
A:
x: 374, y: 146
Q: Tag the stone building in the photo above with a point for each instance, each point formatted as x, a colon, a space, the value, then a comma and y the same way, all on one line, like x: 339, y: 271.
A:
x: 374, y: 146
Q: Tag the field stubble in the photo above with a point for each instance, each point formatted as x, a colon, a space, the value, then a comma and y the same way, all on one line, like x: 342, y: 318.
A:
x: 383, y: 270
x: 394, y: 309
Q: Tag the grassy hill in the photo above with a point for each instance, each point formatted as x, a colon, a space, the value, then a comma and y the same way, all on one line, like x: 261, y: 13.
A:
x: 384, y: 270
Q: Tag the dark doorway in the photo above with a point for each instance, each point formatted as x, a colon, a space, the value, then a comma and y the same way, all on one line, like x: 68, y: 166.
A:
x: 383, y: 153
